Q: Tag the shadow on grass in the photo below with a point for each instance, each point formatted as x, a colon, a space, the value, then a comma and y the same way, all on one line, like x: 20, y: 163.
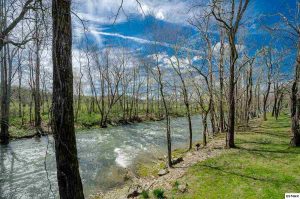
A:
x: 270, y: 180
x: 275, y: 134
x: 280, y: 151
x: 228, y: 171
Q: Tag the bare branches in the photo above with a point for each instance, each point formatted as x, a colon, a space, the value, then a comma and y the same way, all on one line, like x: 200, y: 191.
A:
x: 27, y: 6
x: 118, y: 12
x: 121, y: 8
x: 235, y: 17
x: 289, y: 24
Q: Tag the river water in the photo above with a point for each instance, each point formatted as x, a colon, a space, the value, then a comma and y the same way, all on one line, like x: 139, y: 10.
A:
x: 27, y: 167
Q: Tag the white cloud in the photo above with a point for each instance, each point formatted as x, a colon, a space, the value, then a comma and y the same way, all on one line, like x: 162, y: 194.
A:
x: 216, y: 50
x: 104, y: 11
x: 160, y: 15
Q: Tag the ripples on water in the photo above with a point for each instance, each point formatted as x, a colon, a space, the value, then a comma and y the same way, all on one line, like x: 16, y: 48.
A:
x: 103, y: 156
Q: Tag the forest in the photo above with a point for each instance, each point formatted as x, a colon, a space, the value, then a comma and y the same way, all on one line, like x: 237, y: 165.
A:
x: 149, y: 99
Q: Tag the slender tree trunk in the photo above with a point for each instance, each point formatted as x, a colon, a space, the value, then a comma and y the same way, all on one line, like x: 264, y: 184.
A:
x: 204, y: 135
x: 37, y: 95
x: 79, y: 95
x: 279, y: 104
x: 4, y: 137
x: 147, y: 97
x: 249, y: 95
x: 276, y: 96
x: 19, y: 87
x: 188, y: 113
x: 266, y: 96
x: 185, y: 99
x: 68, y: 176
x: 168, y: 120
x: 258, y: 100
x: 295, y: 103
x: 231, y: 96
x: 211, y: 90
x: 168, y: 125
x: 221, y: 79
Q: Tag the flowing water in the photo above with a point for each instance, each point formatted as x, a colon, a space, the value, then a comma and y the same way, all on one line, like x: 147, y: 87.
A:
x: 27, y: 167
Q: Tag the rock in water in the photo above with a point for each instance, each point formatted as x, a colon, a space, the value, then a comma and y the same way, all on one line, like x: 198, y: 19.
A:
x: 163, y: 172
x: 182, y: 188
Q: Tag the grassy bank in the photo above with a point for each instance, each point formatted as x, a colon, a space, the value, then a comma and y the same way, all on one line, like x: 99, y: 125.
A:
x: 21, y: 119
x: 262, y: 166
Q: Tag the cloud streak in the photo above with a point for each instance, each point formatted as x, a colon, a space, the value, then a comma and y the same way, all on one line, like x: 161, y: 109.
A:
x: 140, y: 40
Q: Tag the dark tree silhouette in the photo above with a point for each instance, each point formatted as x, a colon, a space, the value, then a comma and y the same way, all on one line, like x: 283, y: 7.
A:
x: 69, y: 181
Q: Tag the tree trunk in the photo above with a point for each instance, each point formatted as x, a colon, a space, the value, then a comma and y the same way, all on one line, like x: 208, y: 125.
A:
x: 279, y: 104
x: 221, y: 78
x: 37, y: 96
x: 147, y: 98
x: 266, y: 96
x: 68, y: 176
x: 168, y: 121
x: 276, y: 95
x: 249, y: 95
x: 258, y: 100
x: 204, y: 135
x: 188, y: 112
x: 19, y: 87
x: 212, y: 108
x: 295, y: 103
x: 4, y: 137
x: 231, y: 97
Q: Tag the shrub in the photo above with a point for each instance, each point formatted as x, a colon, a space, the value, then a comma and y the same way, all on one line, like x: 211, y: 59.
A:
x: 159, y: 193
x: 145, y: 194
x: 176, y: 184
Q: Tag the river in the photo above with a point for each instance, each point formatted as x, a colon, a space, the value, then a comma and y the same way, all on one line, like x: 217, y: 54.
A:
x: 28, y: 169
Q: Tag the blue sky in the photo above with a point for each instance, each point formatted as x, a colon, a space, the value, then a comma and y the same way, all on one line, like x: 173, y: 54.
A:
x: 133, y: 26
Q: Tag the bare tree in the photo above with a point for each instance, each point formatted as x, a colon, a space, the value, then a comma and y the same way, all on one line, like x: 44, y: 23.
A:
x: 221, y: 80
x: 294, y: 28
x: 267, y: 52
x: 167, y: 114
x: 177, y: 66
x: 36, y: 93
x: 231, y: 24
x: 204, y: 26
x: 6, y: 29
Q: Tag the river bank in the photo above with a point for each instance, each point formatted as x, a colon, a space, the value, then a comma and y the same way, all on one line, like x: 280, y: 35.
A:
x: 146, y: 177
x: 28, y: 131
x: 263, y: 165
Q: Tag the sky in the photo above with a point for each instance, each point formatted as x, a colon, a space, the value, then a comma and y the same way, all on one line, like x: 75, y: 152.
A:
x: 133, y: 28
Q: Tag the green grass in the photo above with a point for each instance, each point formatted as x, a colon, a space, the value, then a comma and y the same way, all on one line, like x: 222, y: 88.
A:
x: 262, y: 166
x: 150, y: 168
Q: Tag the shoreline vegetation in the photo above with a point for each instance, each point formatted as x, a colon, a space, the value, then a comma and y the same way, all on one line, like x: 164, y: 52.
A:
x: 262, y: 165
x: 86, y: 114
x: 27, y: 131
